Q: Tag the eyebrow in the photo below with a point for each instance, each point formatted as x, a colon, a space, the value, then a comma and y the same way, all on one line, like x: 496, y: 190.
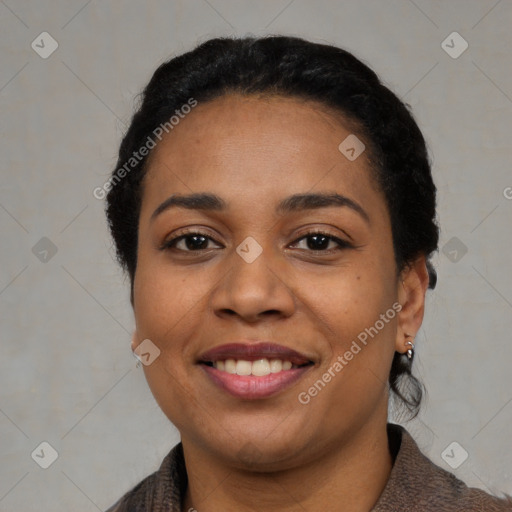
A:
x: 297, y: 202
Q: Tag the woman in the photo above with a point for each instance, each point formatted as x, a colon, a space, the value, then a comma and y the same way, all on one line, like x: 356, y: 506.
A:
x: 274, y: 208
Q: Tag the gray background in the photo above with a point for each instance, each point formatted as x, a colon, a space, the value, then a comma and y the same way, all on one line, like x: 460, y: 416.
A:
x: 67, y: 374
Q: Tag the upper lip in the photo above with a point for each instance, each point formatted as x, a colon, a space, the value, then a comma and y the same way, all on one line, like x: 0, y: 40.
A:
x: 252, y: 352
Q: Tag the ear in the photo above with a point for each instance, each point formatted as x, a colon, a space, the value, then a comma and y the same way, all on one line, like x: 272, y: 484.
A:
x: 412, y: 287
x: 135, y: 340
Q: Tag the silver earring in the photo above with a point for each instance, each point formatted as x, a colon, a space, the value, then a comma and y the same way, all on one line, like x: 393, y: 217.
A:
x: 410, y: 351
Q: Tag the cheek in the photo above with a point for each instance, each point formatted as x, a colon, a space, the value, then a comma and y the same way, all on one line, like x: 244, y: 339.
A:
x: 167, y: 299
x: 350, y: 300
x: 170, y: 387
x: 168, y: 308
x: 356, y: 308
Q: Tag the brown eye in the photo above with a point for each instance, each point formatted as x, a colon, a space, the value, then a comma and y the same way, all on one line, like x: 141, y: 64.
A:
x: 193, y: 242
x: 321, y: 242
x: 190, y: 242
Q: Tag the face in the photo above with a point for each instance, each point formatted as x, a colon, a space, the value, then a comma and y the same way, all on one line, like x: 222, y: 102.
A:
x: 284, y: 258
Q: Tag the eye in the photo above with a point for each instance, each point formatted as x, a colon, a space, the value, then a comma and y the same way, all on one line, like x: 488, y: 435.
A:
x: 314, y: 241
x: 318, y: 241
x: 190, y: 241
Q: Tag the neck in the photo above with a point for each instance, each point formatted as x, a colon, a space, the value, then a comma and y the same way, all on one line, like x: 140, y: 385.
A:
x: 354, y: 475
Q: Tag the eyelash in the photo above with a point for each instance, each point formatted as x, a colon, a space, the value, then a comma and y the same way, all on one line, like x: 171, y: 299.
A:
x: 342, y: 244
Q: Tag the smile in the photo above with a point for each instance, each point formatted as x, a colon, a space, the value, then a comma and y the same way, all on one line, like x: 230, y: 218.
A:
x: 254, y: 371
x: 258, y: 368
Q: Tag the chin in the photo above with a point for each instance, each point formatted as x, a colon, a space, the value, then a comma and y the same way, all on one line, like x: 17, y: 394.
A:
x: 258, y: 451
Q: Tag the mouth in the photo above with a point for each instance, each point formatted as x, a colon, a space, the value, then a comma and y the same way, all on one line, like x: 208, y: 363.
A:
x: 252, y: 371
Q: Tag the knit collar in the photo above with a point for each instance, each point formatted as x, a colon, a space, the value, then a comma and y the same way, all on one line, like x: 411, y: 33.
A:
x: 415, y: 484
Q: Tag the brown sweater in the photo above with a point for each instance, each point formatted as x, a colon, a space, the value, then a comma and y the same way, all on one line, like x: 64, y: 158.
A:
x: 415, y: 485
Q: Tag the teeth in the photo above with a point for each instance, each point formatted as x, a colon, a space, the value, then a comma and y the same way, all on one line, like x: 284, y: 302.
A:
x: 258, y: 368
x: 276, y: 365
x: 229, y: 365
x: 243, y: 367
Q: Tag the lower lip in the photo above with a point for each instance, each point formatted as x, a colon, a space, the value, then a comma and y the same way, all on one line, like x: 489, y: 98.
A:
x: 250, y: 387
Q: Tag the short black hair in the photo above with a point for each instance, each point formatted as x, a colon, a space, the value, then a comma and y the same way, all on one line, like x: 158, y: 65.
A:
x: 293, y: 67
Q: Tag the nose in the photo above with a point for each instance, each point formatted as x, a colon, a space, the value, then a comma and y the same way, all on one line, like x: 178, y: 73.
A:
x: 253, y: 291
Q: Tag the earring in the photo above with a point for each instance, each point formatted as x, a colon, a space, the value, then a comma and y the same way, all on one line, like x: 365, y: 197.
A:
x: 410, y: 351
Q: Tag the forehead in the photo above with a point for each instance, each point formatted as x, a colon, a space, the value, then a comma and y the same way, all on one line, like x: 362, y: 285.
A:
x: 266, y: 147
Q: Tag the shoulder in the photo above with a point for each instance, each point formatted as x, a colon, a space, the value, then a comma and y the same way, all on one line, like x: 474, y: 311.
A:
x: 161, y: 490
x: 134, y: 500
x: 417, y: 484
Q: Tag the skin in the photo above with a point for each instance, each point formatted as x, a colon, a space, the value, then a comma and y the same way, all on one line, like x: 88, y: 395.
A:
x: 275, y: 453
